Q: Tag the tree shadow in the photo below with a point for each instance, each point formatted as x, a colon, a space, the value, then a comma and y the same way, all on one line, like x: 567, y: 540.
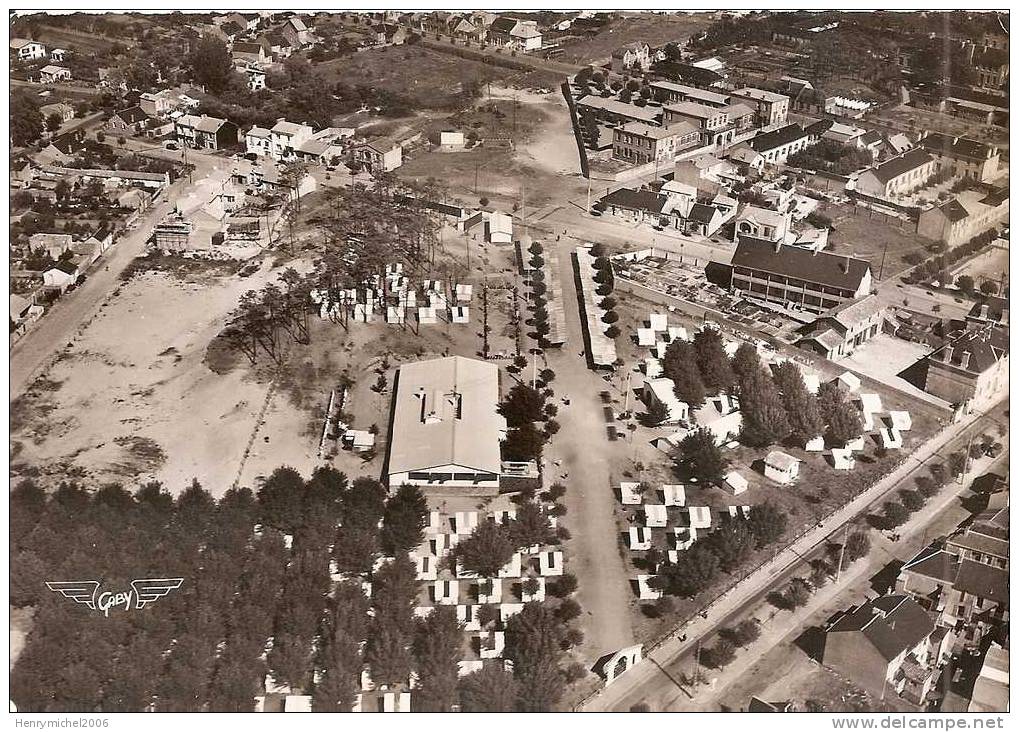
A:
x: 778, y: 600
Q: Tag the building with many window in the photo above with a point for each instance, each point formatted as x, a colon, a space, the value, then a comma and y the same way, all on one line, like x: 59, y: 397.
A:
x: 971, y: 369
x: 771, y: 108
x: 962, y: 157
x: 793, y: 276
x: 207, y: 133
x: 844, y: 328
x: 639, y: 143
x: 968, y: 214
x: 897, y: 176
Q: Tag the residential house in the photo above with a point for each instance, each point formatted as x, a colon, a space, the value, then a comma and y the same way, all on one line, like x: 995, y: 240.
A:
x: 23, y: 311
x: 771, y: 109
x: 446, y: 430
x: 634, y: 56
x: 776, y: 146
x: 844, y: 134
x: 296, y: 32
x: 990, y: 690
x: 887, y: 644
x: 64, y: 111
x: 390, y: 34
x: 970, y: 213
x: 962, y: 157
x: 51, y: 74
x: 512, y: 33
x: 157, y: 104
x: 251, y: 52
x: 62, y: 275
x: 258, y: 141
x: 844, y: 328
x: 991, y: 310
x: 897, y: 176
x: 964, y: 595
x: 278, y: 44
x: 763, y: 223
x: 795, y: 277
x: 207, y: 133
x: 285, y: 137
x: 745, y: 155
x: 53, y: 244
x: 971, y: 369
x: 27, y: 50
x: 638, y: 143
x: 128, y: 121
x: 379, y: 156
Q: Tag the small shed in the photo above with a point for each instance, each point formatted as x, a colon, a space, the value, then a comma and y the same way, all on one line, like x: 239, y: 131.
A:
x: 464, y: 522
x: 781, y: 467
x: 655, y: 516
x: 735, y: 482
x: 900, y: 420
x: 539, y: 591
x: 856, y: 445
x: 427, y: 568
x: 659, y: 322
x: 644, y: 589
x: 630, y: 494
x: 739, y: 512
x: 645, y: 337
x: 640, y: 538
x: 700, y: 517
x: 468, y: 616
x: 677, y: 333
x: 460, y: 314
x: 674, y: 495
x: 891, y: 438
x: 445, y: 592
x: 652, y: 367
x: 427, y: 316
x: 550, y: 564
x: 848, y: 382
x: 513, y: 567
x: 842, y: 459
x: 814, y: 444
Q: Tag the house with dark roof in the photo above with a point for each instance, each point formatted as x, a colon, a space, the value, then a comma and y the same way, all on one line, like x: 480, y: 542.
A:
x: 844, y: 328
x: 962, y: 156
x: 991, y: 66
x: 209, y: 133
x: 970, y: 213
x: 991, y: 310
x: 963, y: 581
x: 970, y: 369
x: 791, y: 276
x: 776, y: 146
x: 888, y: 644
x: 897, y: 176
x: 128, y: 121
x: 251, y: 52
x: 634, y: 205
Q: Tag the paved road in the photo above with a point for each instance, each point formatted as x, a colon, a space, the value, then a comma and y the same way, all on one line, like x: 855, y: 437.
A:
x: 630, y: 687
x: 583, y: 447
x: 37, y: 348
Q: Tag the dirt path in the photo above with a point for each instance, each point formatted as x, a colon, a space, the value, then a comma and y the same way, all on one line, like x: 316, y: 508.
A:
x: 585, y: 452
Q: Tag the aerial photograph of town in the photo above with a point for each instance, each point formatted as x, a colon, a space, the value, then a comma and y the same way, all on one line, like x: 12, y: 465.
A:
x: 505, y: 361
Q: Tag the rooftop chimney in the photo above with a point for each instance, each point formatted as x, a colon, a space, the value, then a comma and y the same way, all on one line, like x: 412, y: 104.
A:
x: 983, y: 311
x: 845, y: 264
x: 946, y: 354
x: 964, y: 360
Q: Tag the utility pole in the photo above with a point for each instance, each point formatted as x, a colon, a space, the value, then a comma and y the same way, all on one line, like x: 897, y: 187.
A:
x: 589, y: 202
x: 476, y: 164
x: 881, y: 270
x: 842, y: 556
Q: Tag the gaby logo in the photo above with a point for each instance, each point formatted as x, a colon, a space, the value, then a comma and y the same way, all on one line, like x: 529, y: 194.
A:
x: 142, y: 592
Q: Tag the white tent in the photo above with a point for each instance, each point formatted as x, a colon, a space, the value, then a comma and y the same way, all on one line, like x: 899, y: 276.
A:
x: 644, y: 590
x: 640, y: 538
x: 655, y: 516
x: 675, y: 495
x: 630, y: 494
x: 736, y: 482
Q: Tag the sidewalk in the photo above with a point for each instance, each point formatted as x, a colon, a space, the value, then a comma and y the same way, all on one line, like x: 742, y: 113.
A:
x: 762, y: 579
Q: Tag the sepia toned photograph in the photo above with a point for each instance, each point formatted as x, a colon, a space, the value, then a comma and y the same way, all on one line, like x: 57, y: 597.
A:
x: 509, y: 361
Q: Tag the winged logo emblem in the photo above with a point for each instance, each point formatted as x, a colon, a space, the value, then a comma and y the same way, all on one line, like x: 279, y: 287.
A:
x: 143, y: 592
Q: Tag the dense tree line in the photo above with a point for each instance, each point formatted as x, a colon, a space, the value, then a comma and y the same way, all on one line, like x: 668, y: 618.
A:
x: 202, y: 646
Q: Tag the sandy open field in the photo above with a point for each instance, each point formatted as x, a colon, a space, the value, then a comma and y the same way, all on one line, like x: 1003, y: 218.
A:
x: 131, y: 397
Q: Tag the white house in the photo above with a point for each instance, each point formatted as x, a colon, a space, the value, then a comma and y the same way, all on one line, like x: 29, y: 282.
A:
x: 27, y: 50
x: 781, y: 467
x: 52, y: 74
x: 550, y: 563
x: 683, y: 538
x: 843, y: 459
x: 891, y: 438
x: 699, y: 517
x: 499, y: 228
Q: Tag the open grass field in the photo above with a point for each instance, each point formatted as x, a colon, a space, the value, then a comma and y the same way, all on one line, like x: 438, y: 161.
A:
x: 432, y: 80
x: 870, y: 235
x: 656, y: 29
